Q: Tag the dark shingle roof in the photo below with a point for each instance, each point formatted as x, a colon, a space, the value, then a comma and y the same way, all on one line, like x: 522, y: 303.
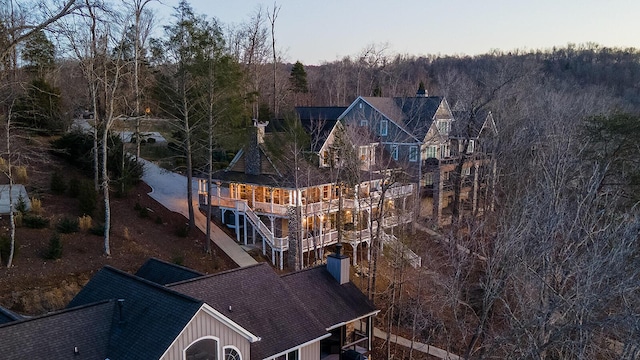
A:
x: 7, y: 315
x: 163, y: 273
x: 318, y: 123
x: 413, y: 114
x: 153, y: 315
x: 257, y: 299
x: 316, y: 288
x: 468, y: 125
x: 54, y: 336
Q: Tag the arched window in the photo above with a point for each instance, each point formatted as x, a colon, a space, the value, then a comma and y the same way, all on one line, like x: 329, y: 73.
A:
x: 204, y: 349
x: 231, y: 353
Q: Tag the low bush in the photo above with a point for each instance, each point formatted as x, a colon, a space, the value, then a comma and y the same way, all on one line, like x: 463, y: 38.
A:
x: 57, y: 184
x: 21, y: 205
x: 74, y: 187
x: 159, y: 220
x: 182, y: 231
x: 17, y: 219
x: 87, y: 198
x: 54, y: 250
x: 36, y: 206
x: 67, y: 225
x: 97, y: 229
x: 85, y: 222
x: 35, y: 221
x: 20, y: 175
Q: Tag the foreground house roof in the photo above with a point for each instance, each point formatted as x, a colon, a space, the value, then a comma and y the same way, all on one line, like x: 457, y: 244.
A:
x: 163, y: 273
x: 77, y: 333
x: 152, y: 315
x: 257, y: 299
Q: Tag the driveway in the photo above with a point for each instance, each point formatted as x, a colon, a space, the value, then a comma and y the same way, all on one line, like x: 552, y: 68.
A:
x: 170, y: 190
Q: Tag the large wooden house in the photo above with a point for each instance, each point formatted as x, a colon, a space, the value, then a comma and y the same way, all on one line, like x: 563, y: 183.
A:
x: 293, y: 203
x: 431, y: 141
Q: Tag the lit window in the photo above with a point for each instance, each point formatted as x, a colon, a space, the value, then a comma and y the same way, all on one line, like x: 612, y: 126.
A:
x: 325, y: 158
x: 413, y: 154
x: 394, y: 152
x: 466, y: 171
x: 384, y: 126
x: 445, y: 151
x: 363, y: 153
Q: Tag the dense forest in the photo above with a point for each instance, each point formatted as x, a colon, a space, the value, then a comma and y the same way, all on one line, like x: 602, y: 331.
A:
x: 555, y: 269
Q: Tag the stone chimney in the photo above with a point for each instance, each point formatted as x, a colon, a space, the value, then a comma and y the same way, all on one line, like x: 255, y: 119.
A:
x: 338, y: 265
x: 252, y: 158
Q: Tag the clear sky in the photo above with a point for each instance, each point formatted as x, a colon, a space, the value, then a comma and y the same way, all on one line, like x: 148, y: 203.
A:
x: 326, y: 30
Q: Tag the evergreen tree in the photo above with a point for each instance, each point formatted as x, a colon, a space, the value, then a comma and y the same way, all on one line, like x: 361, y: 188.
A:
x: 39, y: 53
x: 298, y: 78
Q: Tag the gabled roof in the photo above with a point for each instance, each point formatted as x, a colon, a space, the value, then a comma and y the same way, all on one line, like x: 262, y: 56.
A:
x: 318, y: 122
x: 257, y: 299
x: 162, y: 272
x: 153, y: 316
x: 316, y: 288
x: 7, y: 315
x: 56, y: 335
x: 414, y: 115
x: 468, y: 125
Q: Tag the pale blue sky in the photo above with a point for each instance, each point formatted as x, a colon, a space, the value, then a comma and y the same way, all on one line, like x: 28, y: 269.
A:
x: 325, y: 30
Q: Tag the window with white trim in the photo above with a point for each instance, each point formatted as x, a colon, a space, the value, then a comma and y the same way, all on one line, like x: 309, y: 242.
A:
x: 445, y: 151
x: 466, y: 171
x: 384, y: 127
x: 413, y: 153
x: 364, y: 150
x: 206, y: 348
x: 394, y: 152
x: 432, y: 151
x: 471, y: 147
x: 364, y: 122
x: 444, y: 126
x: 231, y: 353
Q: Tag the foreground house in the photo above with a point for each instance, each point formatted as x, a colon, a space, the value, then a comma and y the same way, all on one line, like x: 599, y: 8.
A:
x: 291, y: 202
x: 433, y: 144
x: 314, y: 314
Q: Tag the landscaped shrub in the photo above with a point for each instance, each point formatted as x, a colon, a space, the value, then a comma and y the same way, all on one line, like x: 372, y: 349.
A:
x: 97, y: 230
x: 3, y: 165
x: 54, y: 251
x: 137, y: 206
x: 84, y: 222
x: 144, y: 213
x: 36, y: 206
x: 74, y: 188
x: 17, y: 219
x: 58, y: 186
x: 20, y: 175
x: 182, y: 231
x: 67, y: 225
x: 159, y: 220
x: 87, y: 198
x: 21, y: 204
x: 35, y: 221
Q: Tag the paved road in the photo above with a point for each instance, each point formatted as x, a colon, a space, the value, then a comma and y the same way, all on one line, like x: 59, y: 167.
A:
x: 170, y: 190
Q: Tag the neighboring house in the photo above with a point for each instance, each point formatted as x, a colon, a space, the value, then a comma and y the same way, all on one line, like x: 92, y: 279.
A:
x: 423, y: 134
x: 234, y: 315
x: 290, y: 207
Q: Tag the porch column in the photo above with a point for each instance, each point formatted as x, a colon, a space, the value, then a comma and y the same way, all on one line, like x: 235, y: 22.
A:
x: 237, y: 223
x: 253, y: 196
x: 245, y: 227
x: 355, y: 253
x: 253, y: 234
x: 218, y: 192
x: 271, y: 197
x: 290, y: 197
x: 281, y: 256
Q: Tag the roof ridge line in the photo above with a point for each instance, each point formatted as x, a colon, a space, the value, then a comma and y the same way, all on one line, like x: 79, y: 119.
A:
x: 58, y: 312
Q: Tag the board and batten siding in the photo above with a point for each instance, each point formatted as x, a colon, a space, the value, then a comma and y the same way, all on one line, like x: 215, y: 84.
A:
x: 203, y: 325
x: 311, y: 351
